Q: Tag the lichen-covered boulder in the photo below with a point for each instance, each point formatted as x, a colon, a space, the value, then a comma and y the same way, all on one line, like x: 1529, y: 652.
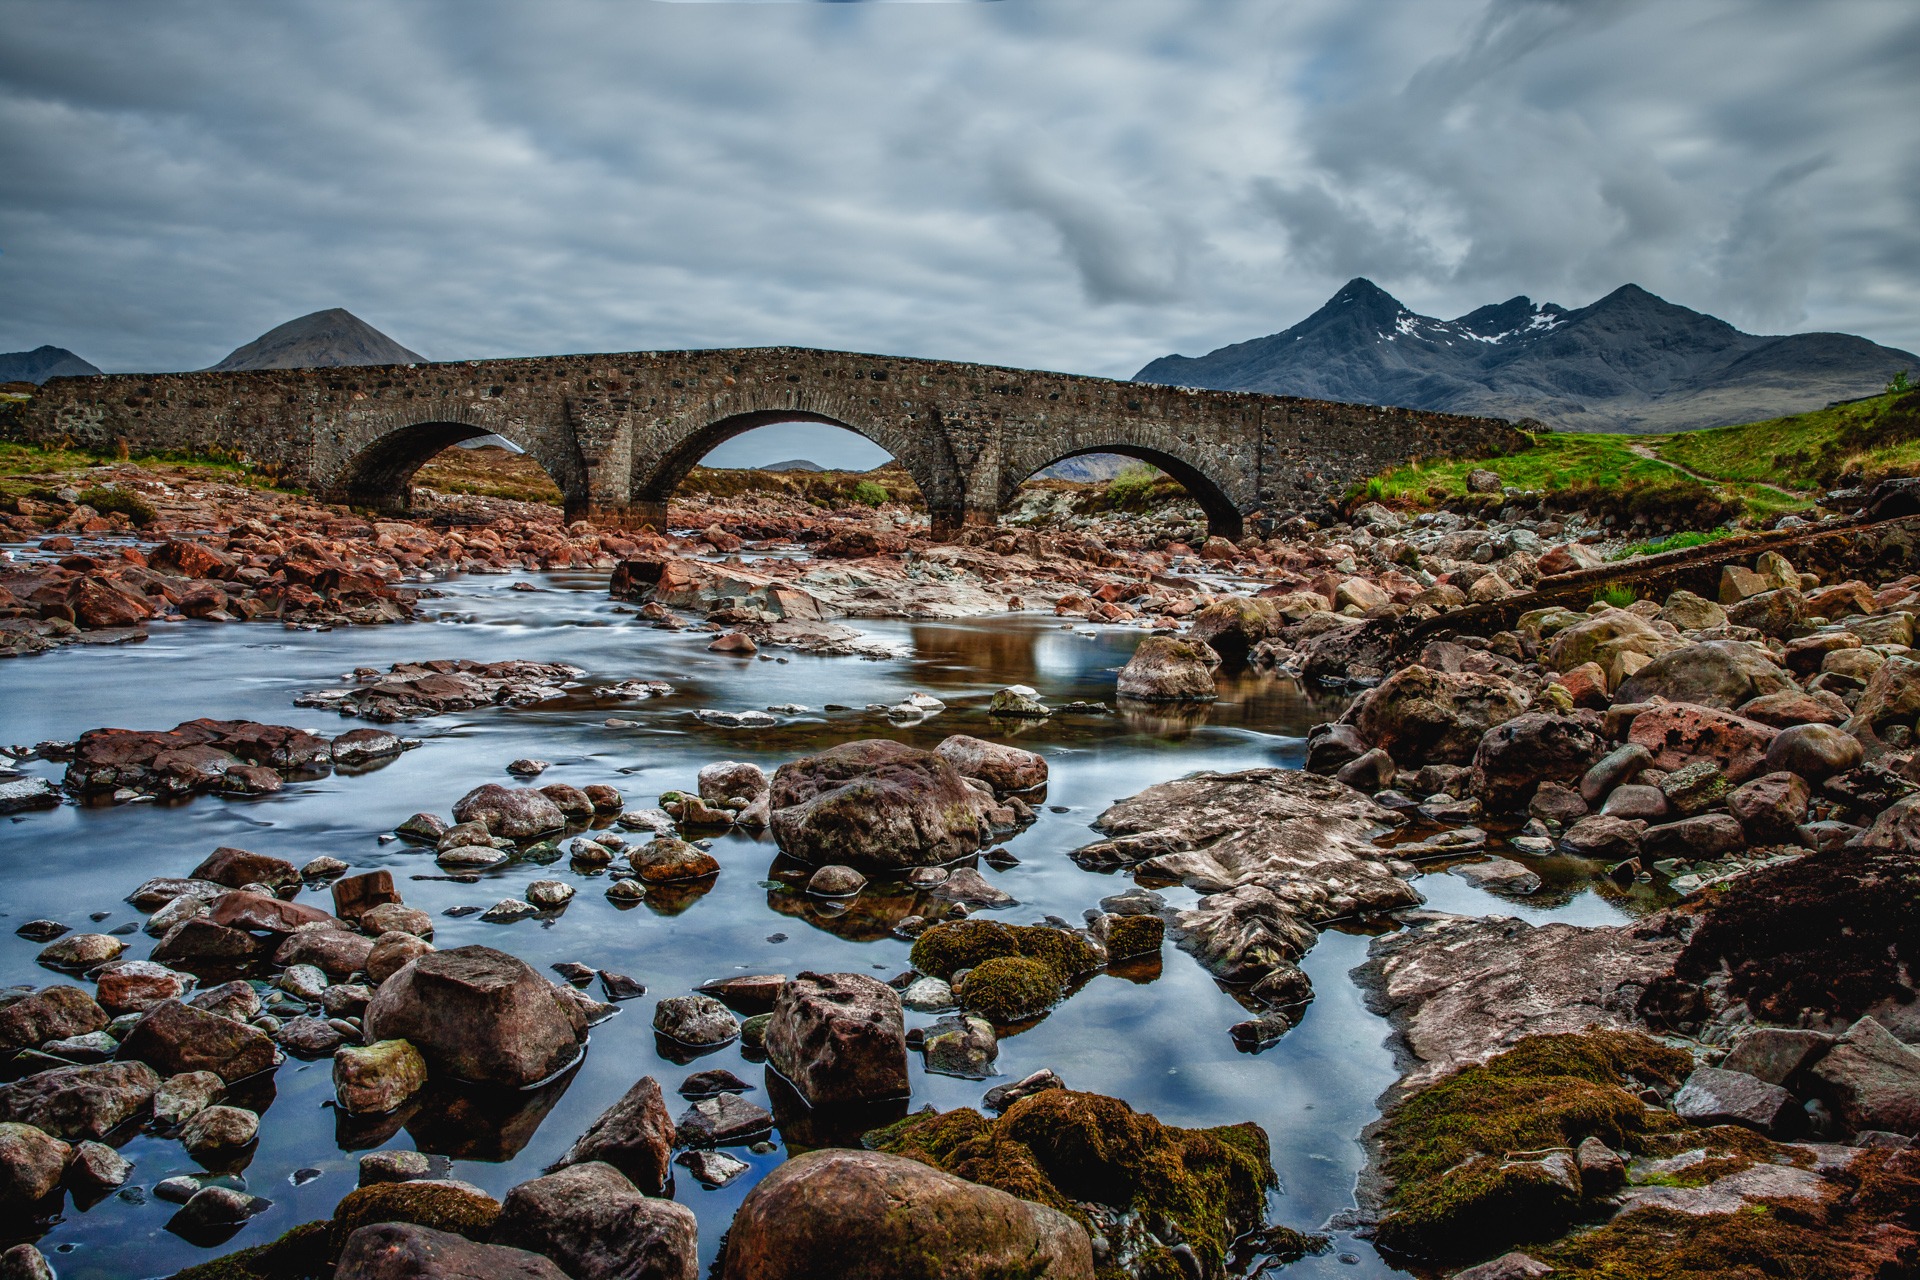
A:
x: 514, y: 813
x: 51, y: 1013
x: 863, y: 1215
x: 876, y: 803
x: 1001, y: 767
x: 1717, y: 673
x: 839, y: 1038
x: 31, y: 1162
x: 1418, y: 716
x: 480, y: 1015
x: 1166, y: 669
x: 376, y: 1078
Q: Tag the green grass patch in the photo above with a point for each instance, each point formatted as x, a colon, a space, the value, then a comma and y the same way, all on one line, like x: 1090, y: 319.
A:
x: 1870, y: 438
x: 1673, y: 542
x: 1617, y: 595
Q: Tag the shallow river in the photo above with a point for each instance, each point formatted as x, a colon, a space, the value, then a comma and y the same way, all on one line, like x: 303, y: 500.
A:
x: 1161, y: 1044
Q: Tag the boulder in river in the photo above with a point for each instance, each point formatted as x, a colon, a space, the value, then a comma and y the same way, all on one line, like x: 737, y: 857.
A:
x: 173, y: 1038
x: 882, y: 1216
x: 403, y: 1251
x: 82, y: 1101
x: 512, y: 813
x: 839, y: 1038
x: 1167, y: 669
x: 876, y: 803
x: 598, y: 1226
x: 1001, y: 767
x: 635, y: 1135
x: 479, y: 1015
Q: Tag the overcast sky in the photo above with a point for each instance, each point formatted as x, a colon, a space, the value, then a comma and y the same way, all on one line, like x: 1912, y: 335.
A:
x: 1069, y: 184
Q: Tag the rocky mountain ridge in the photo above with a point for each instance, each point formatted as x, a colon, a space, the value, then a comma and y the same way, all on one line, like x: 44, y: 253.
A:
x: 1628, y: 362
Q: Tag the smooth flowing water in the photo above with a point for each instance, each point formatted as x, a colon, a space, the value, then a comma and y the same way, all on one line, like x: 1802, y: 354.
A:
x: 1157, y: 1039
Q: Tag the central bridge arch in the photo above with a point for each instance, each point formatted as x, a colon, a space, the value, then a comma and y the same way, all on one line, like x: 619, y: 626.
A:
x: 680, y: 448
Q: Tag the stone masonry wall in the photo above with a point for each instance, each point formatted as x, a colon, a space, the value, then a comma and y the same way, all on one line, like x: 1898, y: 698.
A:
x: 619, y: 432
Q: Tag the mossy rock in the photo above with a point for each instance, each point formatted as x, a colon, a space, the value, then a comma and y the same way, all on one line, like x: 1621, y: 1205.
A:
x: 1061, y: 1148
x: 1008, y: 989
x: 1457, y: 1194
x: 301, y: 1254
x: 1130, y: 937
x: 1869, y: 1228
x: 444, y: 1206
x: 946, y: 949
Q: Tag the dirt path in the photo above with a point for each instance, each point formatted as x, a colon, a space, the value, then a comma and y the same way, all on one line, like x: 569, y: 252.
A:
x: 1647, y: 451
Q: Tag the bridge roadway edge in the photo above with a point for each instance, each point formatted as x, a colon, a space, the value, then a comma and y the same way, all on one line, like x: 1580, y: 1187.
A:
x: 618, y: 431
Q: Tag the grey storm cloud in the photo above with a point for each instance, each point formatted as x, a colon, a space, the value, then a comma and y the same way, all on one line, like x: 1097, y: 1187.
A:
x: 1072, y: 184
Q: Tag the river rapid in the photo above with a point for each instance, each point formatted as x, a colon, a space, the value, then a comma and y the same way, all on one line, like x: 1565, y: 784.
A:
x: 1156, y: 1038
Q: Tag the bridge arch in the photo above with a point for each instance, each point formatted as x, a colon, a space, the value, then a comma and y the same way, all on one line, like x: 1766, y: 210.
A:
x: 1224, y: 517
x: 378, y: 473
x: 921, y: 453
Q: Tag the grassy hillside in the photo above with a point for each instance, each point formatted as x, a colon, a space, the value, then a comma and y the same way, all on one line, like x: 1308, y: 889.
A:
x: 1755, y: 470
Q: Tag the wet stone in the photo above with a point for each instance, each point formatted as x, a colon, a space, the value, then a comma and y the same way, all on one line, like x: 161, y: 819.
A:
x: 726, y: 1119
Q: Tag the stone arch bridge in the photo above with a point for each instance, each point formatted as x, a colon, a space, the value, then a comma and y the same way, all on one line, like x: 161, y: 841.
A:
x: 619, y: 432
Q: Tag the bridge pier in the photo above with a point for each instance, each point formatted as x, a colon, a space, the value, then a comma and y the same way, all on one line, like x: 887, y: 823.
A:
x: 622, y: 515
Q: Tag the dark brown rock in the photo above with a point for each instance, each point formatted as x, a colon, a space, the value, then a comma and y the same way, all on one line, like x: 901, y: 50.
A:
x: 634, y: 1135
x: 174, y: 1038
x: 80, y: 1102
x: 597, y: 1226
x: 51, y: 1013
x: 401, y: 1251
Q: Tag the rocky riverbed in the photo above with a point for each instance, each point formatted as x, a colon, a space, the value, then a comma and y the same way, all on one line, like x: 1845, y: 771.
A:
x: 1039, y: 922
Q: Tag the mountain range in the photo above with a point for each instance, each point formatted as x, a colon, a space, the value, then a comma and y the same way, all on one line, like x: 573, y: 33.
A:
x: 41, y: 363
x: 1629, y: 362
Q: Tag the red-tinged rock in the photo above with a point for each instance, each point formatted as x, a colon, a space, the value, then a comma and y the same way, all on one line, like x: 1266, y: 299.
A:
x: 80, y: 1102
x: 354, y: 896
x: 96, y: 604
x: 257, y: 913
x: 402, y: 1251
x: 192, y: 559
x: 201, y: 941
x: 635, y: 1135
x: 136, y: 986
x: 1001, y: 767
x: 237, y: 868
x: 1680, y: 733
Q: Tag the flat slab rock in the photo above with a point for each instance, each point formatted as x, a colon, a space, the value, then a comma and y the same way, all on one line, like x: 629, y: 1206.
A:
x: 1215, y: 831
x: 1459, y: 989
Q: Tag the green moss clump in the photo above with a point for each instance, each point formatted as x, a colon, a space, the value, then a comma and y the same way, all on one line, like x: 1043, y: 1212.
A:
x: 1132, y: 936
x: 1008, y: 989
x: 424, y: 1204
x: 945, y: 949
x: 106, y: 500
x: 300, y: 1254
x: 1870, y: 1228
x: 1457, y: 1194
x: 1061, y: 1148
